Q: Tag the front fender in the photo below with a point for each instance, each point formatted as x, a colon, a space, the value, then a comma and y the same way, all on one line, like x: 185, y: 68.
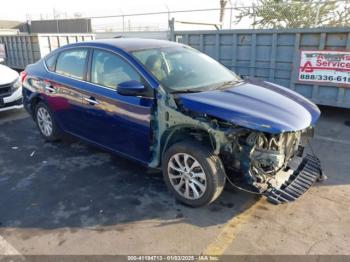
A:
x: 185, y: 131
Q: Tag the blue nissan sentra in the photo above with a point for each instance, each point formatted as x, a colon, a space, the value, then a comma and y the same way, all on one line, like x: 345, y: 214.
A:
x: 169, y: 106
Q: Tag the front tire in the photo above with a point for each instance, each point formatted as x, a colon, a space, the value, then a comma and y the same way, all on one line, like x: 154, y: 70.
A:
x: 45, y: 122
x: 193, y: 173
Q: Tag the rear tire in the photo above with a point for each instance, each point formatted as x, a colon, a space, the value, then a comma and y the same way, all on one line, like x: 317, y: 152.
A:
x: 45, y: 122
x: 193, y: 173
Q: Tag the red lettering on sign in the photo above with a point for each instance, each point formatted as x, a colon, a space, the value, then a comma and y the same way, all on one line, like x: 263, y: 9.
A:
x: 307, y: 67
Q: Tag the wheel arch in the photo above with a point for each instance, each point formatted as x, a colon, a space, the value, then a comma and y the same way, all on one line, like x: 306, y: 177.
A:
x: 179, y: 133
x: 34, y: 101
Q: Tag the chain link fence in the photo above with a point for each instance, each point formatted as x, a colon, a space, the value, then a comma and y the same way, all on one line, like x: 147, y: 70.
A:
x: 262, y: 14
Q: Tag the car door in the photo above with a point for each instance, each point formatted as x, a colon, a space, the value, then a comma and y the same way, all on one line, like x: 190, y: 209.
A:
x: 64, y: 89
x: 119, y: 123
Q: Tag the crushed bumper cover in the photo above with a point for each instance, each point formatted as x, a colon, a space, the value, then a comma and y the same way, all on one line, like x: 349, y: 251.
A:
x: 308, y: 172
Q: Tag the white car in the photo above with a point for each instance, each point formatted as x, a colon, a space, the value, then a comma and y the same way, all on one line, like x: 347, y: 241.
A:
x: 10, y: 88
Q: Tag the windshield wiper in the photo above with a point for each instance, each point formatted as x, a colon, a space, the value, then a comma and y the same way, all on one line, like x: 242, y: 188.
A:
x: 209, y: 88
x: 228, y: 83
x: 185, y: 91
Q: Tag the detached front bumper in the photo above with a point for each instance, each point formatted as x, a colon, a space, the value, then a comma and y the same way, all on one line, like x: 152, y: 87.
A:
x: 11, y: 101
x: 305, y: 175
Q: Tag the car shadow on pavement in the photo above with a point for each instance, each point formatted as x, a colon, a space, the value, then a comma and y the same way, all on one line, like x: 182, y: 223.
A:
x: 72, y: 184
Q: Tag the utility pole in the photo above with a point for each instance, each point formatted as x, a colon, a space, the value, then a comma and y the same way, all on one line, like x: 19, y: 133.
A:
x: 231, y: 14
x: 222, y: 11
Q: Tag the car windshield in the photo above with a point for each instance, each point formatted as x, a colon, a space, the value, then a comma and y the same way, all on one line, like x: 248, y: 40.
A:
x: 182, y: 69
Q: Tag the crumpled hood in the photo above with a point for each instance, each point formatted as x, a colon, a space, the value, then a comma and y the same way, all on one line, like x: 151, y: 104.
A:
x: 7, y: 75
x: 256, y: 105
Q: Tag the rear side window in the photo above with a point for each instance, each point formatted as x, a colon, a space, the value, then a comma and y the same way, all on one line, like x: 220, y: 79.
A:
x: 110, y: 70
x: 51, y: 62
x: 72, y: 63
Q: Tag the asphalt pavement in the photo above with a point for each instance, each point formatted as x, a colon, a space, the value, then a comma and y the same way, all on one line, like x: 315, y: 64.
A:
x: 71, y: 198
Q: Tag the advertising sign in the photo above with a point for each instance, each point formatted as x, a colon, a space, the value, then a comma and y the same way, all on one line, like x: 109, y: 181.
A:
x: 325, y: 67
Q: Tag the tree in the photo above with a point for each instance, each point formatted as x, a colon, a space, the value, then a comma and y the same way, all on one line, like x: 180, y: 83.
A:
x: 297, y: 14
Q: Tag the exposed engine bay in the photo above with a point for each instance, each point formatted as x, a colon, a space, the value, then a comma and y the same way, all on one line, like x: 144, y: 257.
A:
x: 271, y: 154
x: 274, y: 164
x: 262, y: 156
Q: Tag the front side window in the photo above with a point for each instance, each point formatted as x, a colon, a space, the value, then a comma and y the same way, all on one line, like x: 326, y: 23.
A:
x: 72, y: 63
x: 110, y: 70
x: 183, y: 68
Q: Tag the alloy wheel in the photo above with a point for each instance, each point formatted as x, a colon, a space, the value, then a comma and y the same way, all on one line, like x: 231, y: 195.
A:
x: 44, y: 121
x: 187, y: 176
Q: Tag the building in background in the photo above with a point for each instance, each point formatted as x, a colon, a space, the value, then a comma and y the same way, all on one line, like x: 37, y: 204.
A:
x: 8, y: 27
x: 79, y: 25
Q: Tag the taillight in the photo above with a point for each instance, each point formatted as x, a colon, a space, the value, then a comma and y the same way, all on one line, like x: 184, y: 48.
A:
x: 23, y: 76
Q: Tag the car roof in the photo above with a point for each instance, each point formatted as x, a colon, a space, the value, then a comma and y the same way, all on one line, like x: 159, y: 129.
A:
x: 132, y: 44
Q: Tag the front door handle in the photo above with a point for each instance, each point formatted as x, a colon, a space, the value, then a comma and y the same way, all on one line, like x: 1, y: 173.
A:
x: 50, y: 88
x: 91, y: 100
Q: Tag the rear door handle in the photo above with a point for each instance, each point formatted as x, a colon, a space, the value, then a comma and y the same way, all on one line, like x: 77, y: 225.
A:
x: 91, y: 100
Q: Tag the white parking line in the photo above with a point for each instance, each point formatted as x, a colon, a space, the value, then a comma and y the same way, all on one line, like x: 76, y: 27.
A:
x: 334, y: 140
x: 6, y: 248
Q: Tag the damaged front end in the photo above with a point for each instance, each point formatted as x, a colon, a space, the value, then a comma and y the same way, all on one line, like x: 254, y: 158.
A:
x: 274, y: 164
x: 269, y: 157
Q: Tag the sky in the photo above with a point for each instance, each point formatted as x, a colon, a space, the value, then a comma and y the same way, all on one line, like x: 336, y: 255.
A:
x: 20, y: 9
x: 44, y: 9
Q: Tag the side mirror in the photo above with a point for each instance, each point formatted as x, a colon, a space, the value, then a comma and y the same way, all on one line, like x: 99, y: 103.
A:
x: 131, y: 88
